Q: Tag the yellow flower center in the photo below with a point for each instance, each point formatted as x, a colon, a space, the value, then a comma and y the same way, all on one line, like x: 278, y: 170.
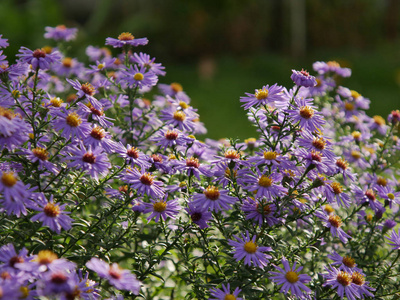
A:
x: 333, y: 63
x: 73, y: 120
x: 379, y: 120
x: 348, y: 261
x: 159, y: 206
x: 390, y: 196
x: 231, y: 154
x: 41, y: 153
x: 319, y: 82
x: 335, y: 221
x: 306, y: 112
x: 24, y: 291
x: 229, y: 297
x: 381, y: 181
x: 356, y: 135
x: 8, y: 179
x: 46, y: 257
x: 356, y: 154
x: 100, y: 66
x: 51, y: 210
x: 184, y: 105
x: 292, y: 277
x: 126, y: 36
x: 265, y: 181
x: 250, y: 247
x: 138, y: 76
x: 179, y: 116
x: 329, y: 209
x: 212, y: 193
x: 354, y: 94
x: 319, y: 143
x: 337, y: 188
x: 176, y: 87
x: 16, y: 93
x: 349, y: 106
x: 146, y: 179
x: 270, y: 155
x: 67, y: 62
x: 88, y: 89
x: 357, y: 278
x: 343, y: 278
x: 262, y: 94
x: 56, y: 102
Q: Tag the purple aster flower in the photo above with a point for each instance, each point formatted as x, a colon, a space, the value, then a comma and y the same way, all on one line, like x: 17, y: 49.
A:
x: 40, y: 155
x: 82, y: 286
x: 225, y: 293
x: 95, y: 162
x: 389, y: 194
x: 144, y: 60
x: 178, y: 118
x: 314, y: 159
x: 39, y: 59
x: 317, y: 143
x: 193, y: 167
x: 86, y: 90
x: 331, y: 66
x: 363, y: 289
x: 342, y: 281
x: 11, y: 259
x: 166, y: 138
x: 56, y: 282
x: 367, y: 196
x: 265, y: 185
x: 52, y: 215
x: 14, y: 194
x: 334, y: 191
x: 291, y: 280
x: 143, y: 183
x: 346, y: 263
x: 268, y: 95
x: 199, y: 215
x: 303, y: 78
x: 60, y: 33
x: 260, y: 211
x: 333, y: 222
x: 101, y: 65
x: 389, y: 224
x: 98, y: 115
x: 46, y: 260
x: 126, y: 38
x: 394, y: 239
x: 3, y: 42
x: 214, y: 199
x: 71, y: 124
x: 307, y: 116
x: 162, y: 208
x: 119, y: 278
x: 248, y: 249
x: 98, y: 137
x: 393, y: 117
x: 342, y: 166
x: 139, y: 77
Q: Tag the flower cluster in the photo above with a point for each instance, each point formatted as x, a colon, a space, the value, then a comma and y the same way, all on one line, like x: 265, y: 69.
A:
x: 101, y: 165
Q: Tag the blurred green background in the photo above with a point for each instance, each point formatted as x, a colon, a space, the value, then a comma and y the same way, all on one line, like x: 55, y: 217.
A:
x: 219, y: 49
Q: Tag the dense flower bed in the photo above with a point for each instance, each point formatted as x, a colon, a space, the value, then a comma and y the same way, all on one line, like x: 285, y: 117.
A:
x: 107, y: 193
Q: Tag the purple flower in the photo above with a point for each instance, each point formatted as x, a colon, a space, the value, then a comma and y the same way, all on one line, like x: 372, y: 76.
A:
x: 162, y: 208
x: 225, y: 293
x: 143, y: 183
x: 39, y: 59
x: 248, y: 249
x: 331, y: 66
x: 394, y: 239
x: 333, y: 222
x: 44, y: 261
x: 52, y: 215
x: 199, y: 215
x: 55, y: 282
x: 193, y: 167
x: 60, y: 33
x: 98, y: 137
x: 291, y: 280
x: 334, y: 191
x: 214, y: 199
x: 139, y: 77
x: 342, y: 281
x: 95, y: 162
x: 40, y: 155
x: 346, y: 263
x: 265, y: 185
x: 86, y: 90
x: 307, y: 116
x: 11, y: 259
x: 178, y: 118
x: 166, y: 138
x: 260, y: 211
x: 126, y: 38
x: 303, y: 78
x: 144, y: 60
x: 14, y: 194
x: 268, y: 95
x: 119, y: 278
x: 3, y: 42
x: 71, y: 124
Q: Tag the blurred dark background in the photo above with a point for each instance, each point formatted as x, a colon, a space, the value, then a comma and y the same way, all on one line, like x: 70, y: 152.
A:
x: 219, y: 49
